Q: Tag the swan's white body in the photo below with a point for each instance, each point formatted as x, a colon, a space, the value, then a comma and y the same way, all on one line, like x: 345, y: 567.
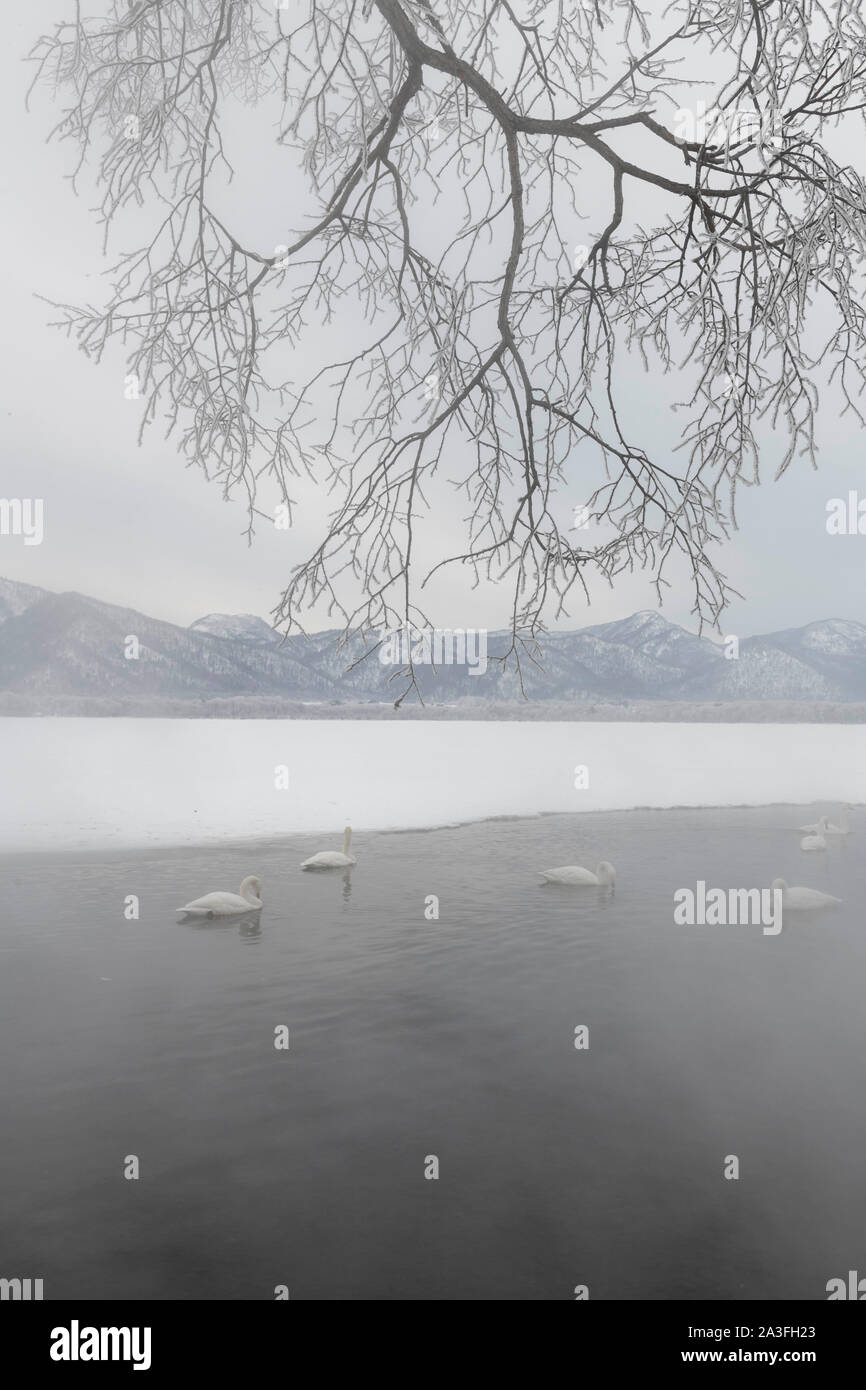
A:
x: 576, y: 877
x: 843, y: 828
x: 813, y: 842
x: 227, y: 904
x: 819, y: 828
x: 801, y: 899
x: 332, y: 858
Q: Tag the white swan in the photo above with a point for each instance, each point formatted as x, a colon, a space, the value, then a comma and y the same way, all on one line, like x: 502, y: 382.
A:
x: 843, y: 828
x: 332, y: 858
x: 227, y: 904
x: 576, y: 877
x: 814, y: 841
x: 801, y: 899
x: 819, y: 828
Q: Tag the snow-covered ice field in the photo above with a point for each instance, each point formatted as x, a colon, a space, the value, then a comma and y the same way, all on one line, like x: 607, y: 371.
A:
x: 97, y: 783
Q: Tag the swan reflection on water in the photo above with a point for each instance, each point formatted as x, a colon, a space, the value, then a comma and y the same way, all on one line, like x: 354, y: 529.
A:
x: 248, y: 924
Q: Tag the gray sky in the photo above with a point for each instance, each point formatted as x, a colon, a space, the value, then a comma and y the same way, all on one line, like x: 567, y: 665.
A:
x: 133, y: 526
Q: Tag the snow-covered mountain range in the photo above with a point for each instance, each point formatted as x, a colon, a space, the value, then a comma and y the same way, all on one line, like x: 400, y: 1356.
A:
x: 67, y: 645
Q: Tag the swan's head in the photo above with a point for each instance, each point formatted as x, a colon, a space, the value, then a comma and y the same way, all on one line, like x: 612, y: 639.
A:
x: 824, y: 822
x: 251, y: 887
x: 606, y: 873
x: 780, y: 884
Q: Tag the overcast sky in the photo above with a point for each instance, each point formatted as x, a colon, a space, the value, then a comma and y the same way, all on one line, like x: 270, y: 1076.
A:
x: 133, y: 526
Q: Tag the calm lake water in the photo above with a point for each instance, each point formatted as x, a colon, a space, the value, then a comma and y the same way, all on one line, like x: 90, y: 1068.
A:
x: 455, y: 1038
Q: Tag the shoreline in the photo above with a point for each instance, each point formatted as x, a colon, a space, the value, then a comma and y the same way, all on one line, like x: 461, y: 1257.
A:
x: 237, y: 708
x: 272, y: 842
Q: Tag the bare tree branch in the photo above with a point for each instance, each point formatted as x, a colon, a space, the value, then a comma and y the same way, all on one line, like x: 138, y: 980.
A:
x: 445, y: 144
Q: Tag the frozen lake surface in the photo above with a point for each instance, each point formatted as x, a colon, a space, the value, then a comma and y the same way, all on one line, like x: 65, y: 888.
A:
x: 412, y: 1037
x: 91, y: 783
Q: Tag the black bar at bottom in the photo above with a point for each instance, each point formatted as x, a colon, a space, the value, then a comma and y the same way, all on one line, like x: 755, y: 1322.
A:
x: 163, y: 1338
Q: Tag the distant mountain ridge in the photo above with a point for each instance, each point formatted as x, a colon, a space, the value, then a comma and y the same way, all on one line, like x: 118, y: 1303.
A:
x: 68, y: 644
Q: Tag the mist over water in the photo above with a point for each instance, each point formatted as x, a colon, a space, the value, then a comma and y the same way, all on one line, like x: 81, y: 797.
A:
x: 101, y: 783
x: 452, y: 1037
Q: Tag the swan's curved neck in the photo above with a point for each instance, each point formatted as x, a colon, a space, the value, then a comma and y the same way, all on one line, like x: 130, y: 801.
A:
x: 347, y: 839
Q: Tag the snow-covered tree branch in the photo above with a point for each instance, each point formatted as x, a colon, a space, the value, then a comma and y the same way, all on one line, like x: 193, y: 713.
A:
x: 517, y: 203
